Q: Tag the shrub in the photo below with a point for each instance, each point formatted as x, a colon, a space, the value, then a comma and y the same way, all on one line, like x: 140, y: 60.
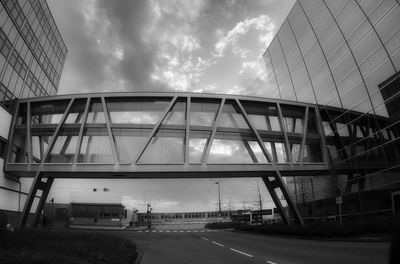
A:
x: 64, y: 247
x: 322, y: 230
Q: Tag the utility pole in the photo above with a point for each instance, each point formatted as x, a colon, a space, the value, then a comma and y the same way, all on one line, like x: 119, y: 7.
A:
x: 219, y: 200
x: 260, y: 203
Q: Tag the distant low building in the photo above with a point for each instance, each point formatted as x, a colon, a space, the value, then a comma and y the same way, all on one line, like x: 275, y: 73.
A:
x: 100, y: 214
x: 183, y: 217
x: 87, y: 214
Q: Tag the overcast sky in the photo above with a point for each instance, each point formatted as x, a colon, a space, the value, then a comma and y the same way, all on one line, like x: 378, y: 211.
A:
x: 148, y: 45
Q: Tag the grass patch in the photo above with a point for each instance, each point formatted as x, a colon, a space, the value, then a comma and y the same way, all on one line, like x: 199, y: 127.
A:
x: 32, y: 246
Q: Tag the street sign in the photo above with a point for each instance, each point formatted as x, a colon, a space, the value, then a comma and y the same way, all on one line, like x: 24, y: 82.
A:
x: 339, y: 200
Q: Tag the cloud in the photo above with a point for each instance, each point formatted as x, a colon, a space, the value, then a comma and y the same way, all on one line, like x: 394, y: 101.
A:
x: 260, y: 23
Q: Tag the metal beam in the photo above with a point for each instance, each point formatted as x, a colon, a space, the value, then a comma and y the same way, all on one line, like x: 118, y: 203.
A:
x: 110, y: 133
x: 187, y: 133
x: 303, y: 140
x: 156, y: 128
x: 277, y: 201
x: 28, y: 133
x: 321, y: 132
x: 250, y: 151
x: 207, y: 149
x: 80, y: 136
x: 42, y: 201
x: 283, y: 127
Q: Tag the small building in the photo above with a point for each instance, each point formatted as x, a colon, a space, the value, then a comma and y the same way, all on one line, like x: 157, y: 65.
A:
x: 100, y: 214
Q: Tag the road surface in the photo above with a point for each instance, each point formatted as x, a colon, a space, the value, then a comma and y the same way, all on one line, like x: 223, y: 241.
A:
x: 207, y: 246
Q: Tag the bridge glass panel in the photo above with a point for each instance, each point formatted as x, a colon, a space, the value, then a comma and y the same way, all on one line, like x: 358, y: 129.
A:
x: 129, y: 142
x: 177, y: 115
x: 197, y: 143
x: 37, y: 149
x: 96, y: 112
x: 202, y: 112
x: 63, y: 150
x: 230, y: 148
x: 293, y: 118
x: 48, y: 113
x: 76, y: 112
x: 263, y: 116
x: 280, y: 151
x: 256, y: 150
x: 95, y: 147
x: 231, y: 117
x: 313, y: 146
x: 133, y: 110
x: 167, y: 147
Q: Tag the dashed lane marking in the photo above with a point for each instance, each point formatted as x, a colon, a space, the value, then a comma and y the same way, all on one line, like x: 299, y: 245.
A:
x: 271, y: 262
x: 241, y: 252
x: 216, y: 243
x: 206, y: 239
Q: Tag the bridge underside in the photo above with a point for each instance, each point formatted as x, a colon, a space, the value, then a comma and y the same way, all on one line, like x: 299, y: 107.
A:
x: 183, y: 135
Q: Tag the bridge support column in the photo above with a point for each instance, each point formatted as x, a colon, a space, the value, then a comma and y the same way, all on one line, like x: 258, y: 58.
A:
x: 38, y: 184
x: 276, y: 182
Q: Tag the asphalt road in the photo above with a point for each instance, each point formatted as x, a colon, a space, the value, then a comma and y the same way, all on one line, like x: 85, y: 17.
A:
x: 202, y: 246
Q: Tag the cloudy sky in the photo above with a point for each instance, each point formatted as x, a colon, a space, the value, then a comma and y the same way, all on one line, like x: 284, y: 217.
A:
x: 169, y: 45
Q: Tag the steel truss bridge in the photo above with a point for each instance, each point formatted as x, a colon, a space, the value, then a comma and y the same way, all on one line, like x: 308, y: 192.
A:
x: 186, y: 135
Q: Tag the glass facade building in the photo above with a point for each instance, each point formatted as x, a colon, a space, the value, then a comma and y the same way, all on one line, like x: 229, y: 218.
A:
x: 32, y: 52
x: 32, y: 56
x: 344, y: 54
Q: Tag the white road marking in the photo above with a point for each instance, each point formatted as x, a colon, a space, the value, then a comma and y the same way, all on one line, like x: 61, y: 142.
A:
x: 189, y: 231
x: 153, y: 231
x: 216, y: 243
x: 241, y: 252
x: 167, y: 231
x: 271, y: 262
x: 174, y: 231
x: 160, y: 231
x: 206, y: 239
x: 146, y: 231
x: 181, y: 231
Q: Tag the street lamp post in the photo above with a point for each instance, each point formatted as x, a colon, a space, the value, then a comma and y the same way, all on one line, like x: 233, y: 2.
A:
x: 219, y: 200
x: 148, y: 216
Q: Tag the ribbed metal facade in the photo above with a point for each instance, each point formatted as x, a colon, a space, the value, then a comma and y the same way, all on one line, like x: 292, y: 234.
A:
x: 336, y: 53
